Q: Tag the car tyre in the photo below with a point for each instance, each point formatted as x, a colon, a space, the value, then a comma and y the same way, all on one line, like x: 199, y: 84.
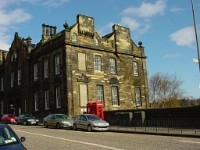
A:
x: 45, y: 125
x: 75, y: 127
x: 58, y: 125
x: 89, y: 128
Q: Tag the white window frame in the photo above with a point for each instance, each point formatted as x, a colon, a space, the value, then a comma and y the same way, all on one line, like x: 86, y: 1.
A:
x: 46, y: 68
x: 2, y: 86
x: 35, y: 72
x: 12, y: 76
x: 112, y: 62
x: 46, y: 99
x: 135, y: 68
x: 57, y: 64
x: 58, y: 97
x: 19, y: 77
x: 100, y: 93
x: 36, y: 98
x: 138, y: 96
x: 98, y: 63
x: 115, y: 96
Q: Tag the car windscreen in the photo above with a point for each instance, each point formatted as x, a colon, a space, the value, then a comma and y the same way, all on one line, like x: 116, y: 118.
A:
x: 7, y: 137
x: 63, y: 117
x: 92, y: 117
x: 28, y: 116
x: 10, y: 115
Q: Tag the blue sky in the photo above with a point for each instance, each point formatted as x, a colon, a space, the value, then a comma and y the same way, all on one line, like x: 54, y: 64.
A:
x: 164, y: 26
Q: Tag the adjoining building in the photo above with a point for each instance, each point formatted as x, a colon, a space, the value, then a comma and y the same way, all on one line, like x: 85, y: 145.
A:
x: 66, y: 70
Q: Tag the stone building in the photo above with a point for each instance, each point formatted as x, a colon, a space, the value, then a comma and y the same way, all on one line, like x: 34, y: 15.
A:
x: 66, y: 70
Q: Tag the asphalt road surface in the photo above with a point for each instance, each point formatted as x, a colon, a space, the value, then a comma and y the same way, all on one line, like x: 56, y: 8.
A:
x: 40, y: 138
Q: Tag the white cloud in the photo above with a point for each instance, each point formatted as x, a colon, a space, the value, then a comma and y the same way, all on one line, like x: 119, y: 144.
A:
x: 130, y: 23
x: 184, y: 37
x: 171, y: 56
x: 146, y: 10
x: 176, y: 9
x: 14, y: 17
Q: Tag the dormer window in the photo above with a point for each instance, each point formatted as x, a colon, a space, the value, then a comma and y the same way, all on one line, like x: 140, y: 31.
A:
x: 96, y: 42
x: 74, y: 37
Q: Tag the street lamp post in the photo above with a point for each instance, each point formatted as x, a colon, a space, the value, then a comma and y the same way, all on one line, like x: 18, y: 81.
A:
x: 196, y: 33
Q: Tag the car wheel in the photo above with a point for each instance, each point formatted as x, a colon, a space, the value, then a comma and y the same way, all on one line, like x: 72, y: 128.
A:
x: 89, y: 128
x: 45, y: 125
x: 25, y: 123
x: 75, y: 127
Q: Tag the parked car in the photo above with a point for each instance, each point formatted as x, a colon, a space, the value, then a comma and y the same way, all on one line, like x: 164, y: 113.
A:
x: 27, y: 119
x: 9, y: 139
x: 8, y: 118
x: 58, y: 121
x: 90, y: 122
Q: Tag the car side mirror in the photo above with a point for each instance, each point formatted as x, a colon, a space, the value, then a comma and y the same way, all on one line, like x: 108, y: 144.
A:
x: 22, y: 139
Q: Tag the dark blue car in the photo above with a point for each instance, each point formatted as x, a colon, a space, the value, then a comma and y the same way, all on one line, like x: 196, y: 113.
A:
x: 9, y: 140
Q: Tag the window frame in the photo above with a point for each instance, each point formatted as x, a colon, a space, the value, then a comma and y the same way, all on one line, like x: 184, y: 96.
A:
x: 112, y: 63
x: 97, y: 63
x: 100, y: 93
x: 58, y: 97
x: 36, y: 100
x: 115, y: 95
x: 138, y: 99
x: 46, y: 99
x: 135, y: 68
x: 35, y: 71
x: 57, y: 64
x: 46, y: 68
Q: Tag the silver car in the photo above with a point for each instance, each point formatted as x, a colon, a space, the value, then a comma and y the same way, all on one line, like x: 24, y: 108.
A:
x: 58, y: 121
x: 90, y: 122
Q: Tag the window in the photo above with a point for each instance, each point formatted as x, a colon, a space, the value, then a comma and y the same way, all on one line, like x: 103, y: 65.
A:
x: 112, y: 65
x: 82, y: 61
x: 12, y: 58
x: 57, y: 64
x: 83, y: 95
x: 99, y: 93
x: 12, y: 79
x: 135, y: 68
x: 2, y: 107
x: 58, y: 98
x: 115, y: 99
x: 96, y: 42
x: 19, y: 77
x: 46, y: 68
x: 25, y: 105
x: 74, y: 37
x: 36, y: 101
x: 35, y: 71
x: 138, y: 97
x: 2, y: 88
x: 98, y: 63
x: 46, y: 99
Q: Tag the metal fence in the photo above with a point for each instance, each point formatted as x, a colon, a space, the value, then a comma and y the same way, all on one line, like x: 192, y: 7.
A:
x: 186, y: 127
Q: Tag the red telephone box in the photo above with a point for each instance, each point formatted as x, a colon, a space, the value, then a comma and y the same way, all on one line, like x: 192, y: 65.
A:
x: 96, y: 108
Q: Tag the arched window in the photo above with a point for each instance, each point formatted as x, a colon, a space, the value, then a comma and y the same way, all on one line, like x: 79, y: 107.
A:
x: 96, y: 42
x: 74, y: 37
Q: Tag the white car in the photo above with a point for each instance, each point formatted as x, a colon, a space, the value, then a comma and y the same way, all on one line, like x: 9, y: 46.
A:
x: 90, y: 122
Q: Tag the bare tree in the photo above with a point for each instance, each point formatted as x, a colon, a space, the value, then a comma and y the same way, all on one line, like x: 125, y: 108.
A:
x: 164, y: 87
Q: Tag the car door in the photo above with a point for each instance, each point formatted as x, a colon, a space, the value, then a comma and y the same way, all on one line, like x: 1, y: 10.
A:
x: 83, y: 122
x: 51, y: 120
x: 20, y: 119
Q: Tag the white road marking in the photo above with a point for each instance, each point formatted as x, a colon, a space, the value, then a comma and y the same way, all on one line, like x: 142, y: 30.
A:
x: 192, y: 142
x: 81, y: 142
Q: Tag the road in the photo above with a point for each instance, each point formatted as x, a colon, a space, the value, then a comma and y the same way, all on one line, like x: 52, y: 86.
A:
x: 40, y: 138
